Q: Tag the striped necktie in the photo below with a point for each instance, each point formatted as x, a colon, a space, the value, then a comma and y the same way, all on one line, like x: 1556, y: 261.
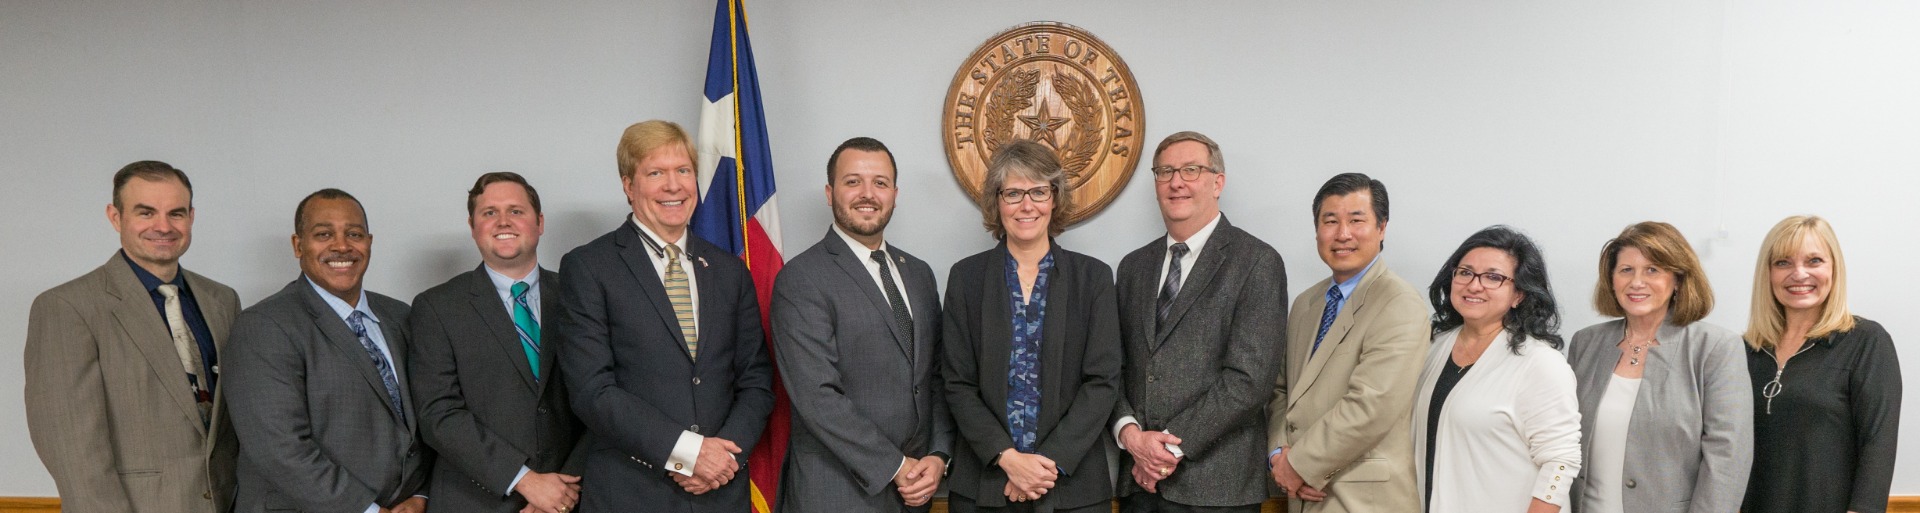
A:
x: 526, y: 326
x: 681, y: 295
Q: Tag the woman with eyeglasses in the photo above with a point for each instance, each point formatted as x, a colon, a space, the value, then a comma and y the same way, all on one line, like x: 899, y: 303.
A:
x: 1666, y: 410
x: 1032, y: 351
x: 1826, y: 383
x: 1496, y: 427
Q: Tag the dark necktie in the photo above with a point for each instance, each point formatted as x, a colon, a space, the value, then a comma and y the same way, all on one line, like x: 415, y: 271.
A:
x: 1326, y: 316
x: 526, y: 326
x: 901, y: 317
x: 358, y: 321
x: 1171, y: 287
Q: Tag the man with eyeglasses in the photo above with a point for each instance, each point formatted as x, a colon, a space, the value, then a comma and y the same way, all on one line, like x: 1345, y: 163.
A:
x: 856, y: 329
x: 1338, y: 432
x: 660, y: 345
x: 1202, y: 311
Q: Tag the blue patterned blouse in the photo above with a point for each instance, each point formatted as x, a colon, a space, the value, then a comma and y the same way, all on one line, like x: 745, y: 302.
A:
x: 1023, y: 363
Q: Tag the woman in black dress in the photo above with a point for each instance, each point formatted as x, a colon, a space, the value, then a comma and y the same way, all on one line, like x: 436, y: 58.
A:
x: 1826, y: 383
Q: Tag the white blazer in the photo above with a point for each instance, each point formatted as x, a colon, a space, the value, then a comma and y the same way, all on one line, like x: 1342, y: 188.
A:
x: 1509, y: 432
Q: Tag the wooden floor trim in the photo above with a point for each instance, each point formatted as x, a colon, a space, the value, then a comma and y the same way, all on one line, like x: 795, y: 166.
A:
x: 1895, y: 504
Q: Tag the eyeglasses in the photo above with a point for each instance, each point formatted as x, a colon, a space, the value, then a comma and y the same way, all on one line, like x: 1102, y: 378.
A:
x: 1491, y: 280
x: 1188, y: 173
x: 1040, y: 194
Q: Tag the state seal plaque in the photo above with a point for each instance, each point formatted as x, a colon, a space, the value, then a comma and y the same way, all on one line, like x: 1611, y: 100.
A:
x: 1058, y: 85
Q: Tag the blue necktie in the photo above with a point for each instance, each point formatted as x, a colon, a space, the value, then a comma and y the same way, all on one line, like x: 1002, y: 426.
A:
x: 526, y: 326
x: 1326, y: 316
x: 357, y: 321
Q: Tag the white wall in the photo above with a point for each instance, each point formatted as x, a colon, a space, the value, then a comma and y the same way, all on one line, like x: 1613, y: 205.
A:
x: 1569, y: 120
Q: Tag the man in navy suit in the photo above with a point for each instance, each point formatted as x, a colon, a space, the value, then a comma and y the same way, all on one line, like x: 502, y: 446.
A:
x: 663, y: 349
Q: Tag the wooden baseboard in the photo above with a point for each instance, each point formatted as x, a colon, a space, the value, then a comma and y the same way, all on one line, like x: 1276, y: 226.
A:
x: 1895, y: 504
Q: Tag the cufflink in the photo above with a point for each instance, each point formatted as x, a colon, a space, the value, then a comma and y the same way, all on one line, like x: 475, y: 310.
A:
x: 677, y: 466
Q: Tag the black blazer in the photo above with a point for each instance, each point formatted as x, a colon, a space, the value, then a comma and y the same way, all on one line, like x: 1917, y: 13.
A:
x: 632, y: 382
x: 1079, y: 375
x: 480, y: 407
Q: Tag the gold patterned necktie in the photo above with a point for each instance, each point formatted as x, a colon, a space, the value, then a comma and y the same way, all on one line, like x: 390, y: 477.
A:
x: 185, y: 347
x: 681, y: 295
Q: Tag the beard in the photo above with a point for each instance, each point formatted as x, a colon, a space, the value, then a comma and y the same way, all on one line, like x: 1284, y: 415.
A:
x: 843, y: 217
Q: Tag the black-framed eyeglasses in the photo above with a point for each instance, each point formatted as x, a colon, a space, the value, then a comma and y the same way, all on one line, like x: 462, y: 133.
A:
x: 1491, y: 280
x: 1187, y: 173
x: 1041, y: 194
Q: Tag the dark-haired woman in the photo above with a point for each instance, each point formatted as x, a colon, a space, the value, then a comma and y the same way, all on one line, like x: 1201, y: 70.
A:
x: 1496, y: 426
x: 1665, y: 407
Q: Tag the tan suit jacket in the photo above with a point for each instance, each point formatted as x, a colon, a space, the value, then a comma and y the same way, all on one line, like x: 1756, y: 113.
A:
x: 108, y: 405
x: 1342, y: 410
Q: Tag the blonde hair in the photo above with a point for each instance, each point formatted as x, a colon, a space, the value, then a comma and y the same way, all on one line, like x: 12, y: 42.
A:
x: 1768, y: 321
x: 644, y: 138
x: 1663, y: 245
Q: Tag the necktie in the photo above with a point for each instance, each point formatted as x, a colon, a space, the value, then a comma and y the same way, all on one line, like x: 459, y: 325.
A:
x: 1327, y: 315
x: 358, y: 321
x: 901, y: 318
x: 1171, y: 287
x: 187, y: 349
x: 680, y: 293
x: 525, y: 325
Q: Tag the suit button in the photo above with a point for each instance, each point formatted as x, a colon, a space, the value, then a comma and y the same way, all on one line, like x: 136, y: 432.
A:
x: 696, y: 380
x: 695, y: 429
x: 543, y: 411
x: 1291, y: 428
x: 1630, y: 483
x: 1149, y: 378
x: 916, y: 390
x: 206, y: 495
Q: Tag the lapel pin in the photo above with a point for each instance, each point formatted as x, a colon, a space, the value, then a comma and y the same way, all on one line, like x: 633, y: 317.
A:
x: 703, y: 261
x: 902, y: 260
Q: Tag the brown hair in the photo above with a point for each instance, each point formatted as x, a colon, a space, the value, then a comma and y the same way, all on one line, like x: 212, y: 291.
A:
x: 152, y: 170
x: 1767, y: 321
x: 1662, y: 243
x: 480, y: 186
x: 1214, y: 158
x: 644, y: 138
x: 1029, y: 160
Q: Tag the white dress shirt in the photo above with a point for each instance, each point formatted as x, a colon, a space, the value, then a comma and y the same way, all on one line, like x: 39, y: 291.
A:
x: 686, y: 450
x: 873, y: 268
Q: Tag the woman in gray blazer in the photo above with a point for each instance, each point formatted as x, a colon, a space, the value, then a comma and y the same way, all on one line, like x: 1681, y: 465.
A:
x: 1666, y: 413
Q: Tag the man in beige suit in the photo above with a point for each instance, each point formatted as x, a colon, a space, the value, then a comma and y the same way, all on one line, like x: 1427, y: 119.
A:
x: 122, y: 365
x: 1355, y: 345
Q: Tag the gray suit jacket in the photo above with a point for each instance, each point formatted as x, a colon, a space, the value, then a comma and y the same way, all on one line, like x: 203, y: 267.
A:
x: 863, y: 395
x: 1206, y: 376
x: 481, y: 409
x: 1690, y: 441
x: 107, y: 403
x: 316, y: 430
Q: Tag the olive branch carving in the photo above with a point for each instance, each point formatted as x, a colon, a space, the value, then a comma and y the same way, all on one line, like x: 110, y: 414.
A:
x: 1014, y: 94
x: 1081, y: 144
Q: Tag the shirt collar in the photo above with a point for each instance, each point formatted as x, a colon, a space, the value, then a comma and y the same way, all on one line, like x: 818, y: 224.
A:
x: 1346, y: 287
x: 681, y: 242
x: 340, y: 306
x: 148, y: 280
x: 504, y: 285
x: 860, y: 250
x: 1199, y: 238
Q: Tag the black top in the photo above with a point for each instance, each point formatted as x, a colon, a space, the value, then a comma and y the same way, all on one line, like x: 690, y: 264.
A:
x: 1449, y: 376
x: 1828, y: 443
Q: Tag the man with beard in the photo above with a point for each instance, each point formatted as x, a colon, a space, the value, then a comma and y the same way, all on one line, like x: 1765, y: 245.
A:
x: 491, y: 404
x: 661, y: 343
x: 856, y: 327
x: 318, y: 381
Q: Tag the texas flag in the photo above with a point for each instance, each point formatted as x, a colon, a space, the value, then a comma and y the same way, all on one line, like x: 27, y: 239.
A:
x: 738, y: 211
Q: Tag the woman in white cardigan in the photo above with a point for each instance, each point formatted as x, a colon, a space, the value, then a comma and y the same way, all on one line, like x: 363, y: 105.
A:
x: 1496, y: 425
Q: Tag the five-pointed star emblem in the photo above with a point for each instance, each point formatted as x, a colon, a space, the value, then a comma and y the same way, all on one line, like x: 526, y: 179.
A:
x: 1043, y: 125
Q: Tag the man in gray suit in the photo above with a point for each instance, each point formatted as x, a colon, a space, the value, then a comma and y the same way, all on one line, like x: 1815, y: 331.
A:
x: 123, y: 400
x: 491, y: 403
x: 1202, y: 319
x: 856, y: 327
x: 319, y: 380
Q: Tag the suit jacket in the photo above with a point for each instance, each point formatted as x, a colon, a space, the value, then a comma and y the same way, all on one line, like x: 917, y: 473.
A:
x: 1342, y: 410
x: 317, y: 432
x: 631, y: 380
x: 1691, y: 435
x: 863, y: 394
x: 108, y: 406
x: 481, y: 409
x: 1206, y: 376
x: 1079, y: 376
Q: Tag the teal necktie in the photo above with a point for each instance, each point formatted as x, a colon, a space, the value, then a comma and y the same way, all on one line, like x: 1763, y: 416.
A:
x: 526, y: 326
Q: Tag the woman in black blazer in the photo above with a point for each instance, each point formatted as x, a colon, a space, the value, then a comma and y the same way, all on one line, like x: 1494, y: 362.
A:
x: 1032, y: 351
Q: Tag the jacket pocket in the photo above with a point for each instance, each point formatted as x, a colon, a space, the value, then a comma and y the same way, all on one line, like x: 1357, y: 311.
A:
x: 1366, y: 470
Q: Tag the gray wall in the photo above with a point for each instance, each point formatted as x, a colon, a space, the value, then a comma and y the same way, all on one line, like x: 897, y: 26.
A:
x: 1569, y: 120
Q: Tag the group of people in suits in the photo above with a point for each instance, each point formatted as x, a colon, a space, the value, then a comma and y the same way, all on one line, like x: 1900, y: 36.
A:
x: 639, y: 376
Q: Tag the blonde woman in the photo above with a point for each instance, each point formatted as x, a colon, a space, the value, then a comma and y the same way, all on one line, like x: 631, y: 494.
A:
x: 1826, y: 382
